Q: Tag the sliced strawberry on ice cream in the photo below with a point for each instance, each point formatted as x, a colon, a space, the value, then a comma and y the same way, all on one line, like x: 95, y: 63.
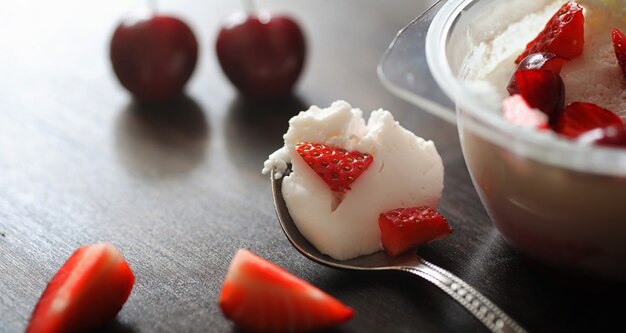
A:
x: 563, y: 35
x: 619, y: 44
x: 541, y: 60
x: 403, y: 229
x: 579, y: 117
x: 262, y: 297
x: 542, y: 89
x: 517, y: 112
x: 87, y: 292
x: 612, y: 136
x: 338, y: 167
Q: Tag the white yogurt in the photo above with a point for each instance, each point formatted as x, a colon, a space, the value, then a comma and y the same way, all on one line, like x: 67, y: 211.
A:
x: 407, y: 171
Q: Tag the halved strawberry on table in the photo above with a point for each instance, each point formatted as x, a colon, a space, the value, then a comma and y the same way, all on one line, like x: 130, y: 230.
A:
x: 338, y: 167
x: 86, y: 293
x: 403, y: 229
x: 563, y: 35
x: 260, y: 296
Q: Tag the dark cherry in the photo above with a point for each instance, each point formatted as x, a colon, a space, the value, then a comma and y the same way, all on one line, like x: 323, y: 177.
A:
x: 541, y: 60
x: 153, y: 56
x: 542, y: 89
x: 261, y: 55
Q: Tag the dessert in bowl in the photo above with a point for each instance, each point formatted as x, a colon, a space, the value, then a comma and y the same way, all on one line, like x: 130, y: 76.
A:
x: 555, y: 199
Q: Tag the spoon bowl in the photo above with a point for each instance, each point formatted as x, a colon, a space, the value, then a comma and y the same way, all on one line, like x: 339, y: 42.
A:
x: 472, y: 300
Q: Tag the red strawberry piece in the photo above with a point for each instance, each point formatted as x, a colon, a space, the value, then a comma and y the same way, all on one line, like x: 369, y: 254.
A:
x: 262, y: 297
x: 578, y: 118
x: 612, y: 136
x: 563, y: 35
x: 87, y: 292
x: 619, y: 43
x: 543, y: 90
x: 541, y: 60
x: 517, y: 112
x: 403, y: 229
x: 338, y: 167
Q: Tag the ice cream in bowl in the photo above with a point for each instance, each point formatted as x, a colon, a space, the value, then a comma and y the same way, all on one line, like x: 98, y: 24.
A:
x: 537, y: 90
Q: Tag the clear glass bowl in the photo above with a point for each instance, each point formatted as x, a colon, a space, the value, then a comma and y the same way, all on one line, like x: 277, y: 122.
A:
x: 555, y: 200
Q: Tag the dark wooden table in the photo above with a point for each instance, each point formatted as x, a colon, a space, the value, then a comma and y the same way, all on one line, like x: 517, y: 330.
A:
x: 180, y: 191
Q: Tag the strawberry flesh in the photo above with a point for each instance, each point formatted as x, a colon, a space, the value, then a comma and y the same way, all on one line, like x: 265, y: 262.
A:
x: 403, y: 229
x: 579, y: 117
x: 260, y: 296
x: 517, y: 112
x: 611, y: 136
x: 563, y: 35
x: 619, y: 44
x: 338, y: 167
x: 542, y: 89
x: 86, y: 293
x: 541, y: 60
x: 614, y: 136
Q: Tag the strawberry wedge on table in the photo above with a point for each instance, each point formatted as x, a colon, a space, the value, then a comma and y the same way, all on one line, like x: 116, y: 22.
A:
x: 403, y: 229
x: 86, y: 293
x: 260, y: 296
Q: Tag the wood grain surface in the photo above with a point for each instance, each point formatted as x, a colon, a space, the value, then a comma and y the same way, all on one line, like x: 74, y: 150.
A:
x: 179, y: 189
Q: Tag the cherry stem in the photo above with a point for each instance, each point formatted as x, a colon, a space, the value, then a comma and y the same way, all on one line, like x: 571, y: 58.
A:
x: 249, y: 6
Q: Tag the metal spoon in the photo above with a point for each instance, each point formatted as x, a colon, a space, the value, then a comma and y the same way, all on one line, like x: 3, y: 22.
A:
x: 473, y: 301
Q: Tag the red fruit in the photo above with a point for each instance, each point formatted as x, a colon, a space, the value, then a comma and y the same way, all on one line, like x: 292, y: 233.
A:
x: 87, y: 292
x: 619, y: 44
x: 542, y: 60
x: 578, y: 118
x: 517, y: 112
x: 612, y: 136
x: 403, y: 229
x: 543, y: 90
x: 338, y: 167
x: 563, y: 35
x: 153, y: 57
x: 262, y: 297
x: 262, y: 56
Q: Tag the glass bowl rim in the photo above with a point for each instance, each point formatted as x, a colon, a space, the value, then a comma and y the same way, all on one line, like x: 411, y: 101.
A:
x: 545, y: 148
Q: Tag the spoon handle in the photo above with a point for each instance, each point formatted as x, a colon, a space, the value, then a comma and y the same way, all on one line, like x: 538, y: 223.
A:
x: 472, y: 300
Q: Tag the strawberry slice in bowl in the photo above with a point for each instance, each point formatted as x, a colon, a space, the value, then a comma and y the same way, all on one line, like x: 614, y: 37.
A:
x: 260, y: 296
x: 580, y: 117
x: 563, y: 35
x: 403, y: 229
x: 611, y: 136
x: 86, y: 293
x: 541, y: 60
x: 517, y: 112
x: 542, y: 89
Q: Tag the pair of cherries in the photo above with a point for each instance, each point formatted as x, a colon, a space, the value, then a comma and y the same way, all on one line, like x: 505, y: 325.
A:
x: 154, y: 56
